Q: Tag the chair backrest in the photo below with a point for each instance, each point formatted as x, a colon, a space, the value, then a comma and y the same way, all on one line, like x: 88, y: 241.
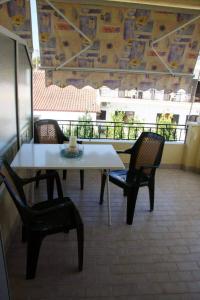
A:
x: 47, y: 131
x: 147, y: 150
x: 15, y: 188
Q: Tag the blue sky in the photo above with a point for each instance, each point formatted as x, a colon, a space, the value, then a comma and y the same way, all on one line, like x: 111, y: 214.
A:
x: 34, y: 28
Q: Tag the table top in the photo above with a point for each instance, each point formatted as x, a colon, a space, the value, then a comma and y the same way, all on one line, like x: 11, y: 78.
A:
x: 48, y: 156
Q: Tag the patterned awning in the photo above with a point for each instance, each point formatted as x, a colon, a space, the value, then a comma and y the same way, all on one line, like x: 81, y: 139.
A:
x: 119, y: 47
x: 113, y: 44
x: 15, y: 16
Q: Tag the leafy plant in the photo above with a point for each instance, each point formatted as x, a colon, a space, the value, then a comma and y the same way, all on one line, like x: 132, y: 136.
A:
x: 125, y: 128
x: 84, y: 129
x: 169, y: 128
x: 117, y: 131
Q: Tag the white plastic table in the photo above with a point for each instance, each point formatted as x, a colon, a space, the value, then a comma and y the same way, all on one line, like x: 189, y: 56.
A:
x: 48, y: 157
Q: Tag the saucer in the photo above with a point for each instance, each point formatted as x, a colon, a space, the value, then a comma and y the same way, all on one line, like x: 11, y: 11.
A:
x: 66, y: 153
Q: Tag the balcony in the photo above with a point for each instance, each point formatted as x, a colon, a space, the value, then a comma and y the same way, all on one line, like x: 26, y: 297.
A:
x: 155, y: 258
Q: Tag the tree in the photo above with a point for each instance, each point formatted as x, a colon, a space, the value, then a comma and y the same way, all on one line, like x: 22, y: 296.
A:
x: 167, y: 127
x: 84, y: 129
x: 134, y: 127
x: 36, y: 62
x: 126, y: 127
x: 117, y: 132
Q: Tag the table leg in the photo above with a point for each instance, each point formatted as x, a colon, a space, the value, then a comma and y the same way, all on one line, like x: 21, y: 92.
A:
x: 50, y: 186
x: 108, y: 197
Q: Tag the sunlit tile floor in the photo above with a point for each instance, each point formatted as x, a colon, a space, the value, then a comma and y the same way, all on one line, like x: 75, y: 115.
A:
x: 158, y: 257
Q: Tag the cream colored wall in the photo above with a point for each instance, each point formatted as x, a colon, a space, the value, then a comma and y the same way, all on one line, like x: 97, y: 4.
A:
x: 172, y: 153
x: 191, y: 159
x: 8, y: 216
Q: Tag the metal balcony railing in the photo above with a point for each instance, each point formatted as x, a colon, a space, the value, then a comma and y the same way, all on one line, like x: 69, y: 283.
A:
x: 120, y: 130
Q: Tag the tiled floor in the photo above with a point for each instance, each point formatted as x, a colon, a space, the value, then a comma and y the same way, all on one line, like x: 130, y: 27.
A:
x: 158, y: 257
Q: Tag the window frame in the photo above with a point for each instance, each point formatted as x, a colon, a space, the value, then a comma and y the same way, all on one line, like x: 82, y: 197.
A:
x: 10, y: 149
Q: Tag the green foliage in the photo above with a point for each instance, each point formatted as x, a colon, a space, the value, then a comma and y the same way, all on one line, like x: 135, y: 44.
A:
x: 125, y: 128
x: 84, y: 129
x: 35, y: 62
x: 135, y: 129
x: 168, y: 130
x: 117, y: 132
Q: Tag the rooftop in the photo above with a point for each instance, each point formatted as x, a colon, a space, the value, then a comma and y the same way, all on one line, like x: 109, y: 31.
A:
x: 54, y: 98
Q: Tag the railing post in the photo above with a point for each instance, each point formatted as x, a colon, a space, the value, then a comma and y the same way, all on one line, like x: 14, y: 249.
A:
x: 171, y: 132
x: 114, y: 130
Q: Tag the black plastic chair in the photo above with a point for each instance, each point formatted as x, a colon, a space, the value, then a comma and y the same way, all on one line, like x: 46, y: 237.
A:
x: 48, y: 131
x: 145, y: 158
x: 43, y: 218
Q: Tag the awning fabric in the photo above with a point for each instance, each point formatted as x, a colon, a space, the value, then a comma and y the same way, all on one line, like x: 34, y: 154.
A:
x: 15, y: 16
x: 84, y: 44
x: 188, y: 5
x: 121, y: 81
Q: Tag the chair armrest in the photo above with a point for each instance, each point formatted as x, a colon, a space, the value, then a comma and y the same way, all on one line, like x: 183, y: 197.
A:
x: 39, y: 177
x: 51, y: 174
x: 149, y: 166
x: 127, y: 151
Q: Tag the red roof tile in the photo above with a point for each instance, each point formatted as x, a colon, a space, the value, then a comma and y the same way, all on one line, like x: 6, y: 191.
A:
x: 54, y: 98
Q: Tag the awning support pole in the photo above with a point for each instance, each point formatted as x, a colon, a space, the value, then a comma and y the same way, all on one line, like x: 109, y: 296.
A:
x: 166, y: 35
x: 76, y: 29
x: 3, y: 1
x: 129, y: 71
x: 193, y: 93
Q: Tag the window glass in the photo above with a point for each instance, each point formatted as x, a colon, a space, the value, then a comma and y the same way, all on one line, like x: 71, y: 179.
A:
x: 24, y: 95
x: 101, y: 115
x: 8, y: 127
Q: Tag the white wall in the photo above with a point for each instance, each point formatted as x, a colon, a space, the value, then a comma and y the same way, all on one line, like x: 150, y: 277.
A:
x: 146, y: 110
x: 57, y: 115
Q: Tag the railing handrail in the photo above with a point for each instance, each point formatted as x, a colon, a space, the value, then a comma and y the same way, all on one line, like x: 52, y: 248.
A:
x: 121, y: 122
x: 101, y: 129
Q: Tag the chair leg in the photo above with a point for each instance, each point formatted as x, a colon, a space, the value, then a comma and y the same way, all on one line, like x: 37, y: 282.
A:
x: 33, y: 249
x: 131, y: 201
x: 151, y: 187
x: 103, y: 183
x: 37, y: 180
x: 64, y: 174
x: 80, y: 239
x: 82, y: 178
x: 24, y: 234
